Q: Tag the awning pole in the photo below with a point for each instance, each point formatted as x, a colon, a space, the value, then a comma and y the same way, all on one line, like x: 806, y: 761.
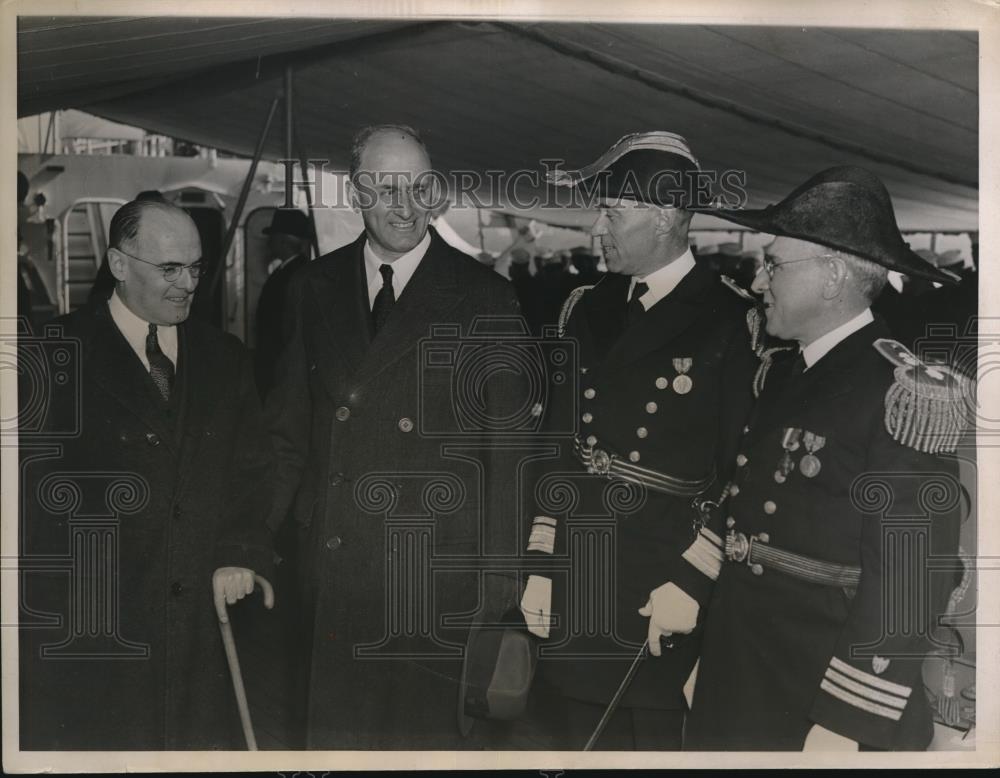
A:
x: 288, y: 112
x: 227, y: 243
x: 303, y: 163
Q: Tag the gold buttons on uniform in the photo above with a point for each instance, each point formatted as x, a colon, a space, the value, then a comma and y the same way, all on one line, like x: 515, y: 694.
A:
x: 591, y: 440
x: 589, y: 393
x: 746, y: 429
x: 734, y: 490
x: 633, y: 456
x: 741, y: 460
x: 662, y: 383
x: 757, y: 569
x: 763, y: 537
x: 730, y: 522
x: 587, y: 418
x: 651, y: 407
x: 405, y: 425
x: 343, y: 413
x: 770, y: 506
x: 642, y: 432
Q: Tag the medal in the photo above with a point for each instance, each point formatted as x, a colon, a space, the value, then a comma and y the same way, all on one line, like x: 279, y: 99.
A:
x: 789, y: 442
x: 682, y: 383
x: 810, y: 464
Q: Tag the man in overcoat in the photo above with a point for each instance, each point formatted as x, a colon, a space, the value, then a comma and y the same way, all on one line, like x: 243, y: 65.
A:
x: 382, y: 422
x: 666, y: 367
x: 144, y: 489
x: 833, y: 556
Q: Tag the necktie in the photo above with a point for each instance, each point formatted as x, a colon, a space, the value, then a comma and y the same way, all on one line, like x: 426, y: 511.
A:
x: 798, y: 367
x: 635, y: 308
x: 161, y: 369
x: 385, y: 298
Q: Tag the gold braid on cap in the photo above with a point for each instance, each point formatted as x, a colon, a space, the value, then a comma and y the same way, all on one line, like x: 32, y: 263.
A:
x: 923, y: 407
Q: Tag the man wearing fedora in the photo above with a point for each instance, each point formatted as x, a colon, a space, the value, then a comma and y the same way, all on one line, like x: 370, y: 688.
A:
x: 832, y: 556
x: 288, y: 250
x: 664, y: 386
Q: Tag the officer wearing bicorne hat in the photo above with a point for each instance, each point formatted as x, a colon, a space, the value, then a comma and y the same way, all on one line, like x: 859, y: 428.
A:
x: 832, y: 555
x: 666, y: 367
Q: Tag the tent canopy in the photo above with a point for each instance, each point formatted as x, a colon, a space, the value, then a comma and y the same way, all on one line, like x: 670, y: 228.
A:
x: 779, y: 103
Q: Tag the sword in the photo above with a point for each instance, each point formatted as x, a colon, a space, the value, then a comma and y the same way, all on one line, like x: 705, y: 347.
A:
x: 619, y: 693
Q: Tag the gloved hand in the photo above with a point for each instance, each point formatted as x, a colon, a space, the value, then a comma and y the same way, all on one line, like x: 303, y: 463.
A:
x: 536, y: 605
x: 670, y: 609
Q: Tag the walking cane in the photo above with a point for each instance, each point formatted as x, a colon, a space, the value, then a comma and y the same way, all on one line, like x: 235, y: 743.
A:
x: 619, y: 693
x: 234, y: 663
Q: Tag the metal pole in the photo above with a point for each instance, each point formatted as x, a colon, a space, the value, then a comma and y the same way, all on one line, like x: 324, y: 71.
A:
x: 303, y: 163
x: 242, y: 201
x: 288, y: 111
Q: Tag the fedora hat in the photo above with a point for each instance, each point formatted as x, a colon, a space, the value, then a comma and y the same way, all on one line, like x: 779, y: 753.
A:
x: 289, y: 221
x: 843, y: 208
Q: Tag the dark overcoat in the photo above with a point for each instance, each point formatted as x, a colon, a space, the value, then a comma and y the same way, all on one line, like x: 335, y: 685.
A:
x: 129, y: 505
x: 386, y: 463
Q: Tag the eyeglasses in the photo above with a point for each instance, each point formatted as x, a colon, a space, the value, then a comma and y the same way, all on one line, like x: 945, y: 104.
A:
x: 171, y: 270
x: 769, y: 265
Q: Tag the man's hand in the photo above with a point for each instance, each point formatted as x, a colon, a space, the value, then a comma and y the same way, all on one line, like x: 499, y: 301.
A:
x: 536, y: 605
x: 669, y: 609
x: 230, y: 584
x: 822, y: 739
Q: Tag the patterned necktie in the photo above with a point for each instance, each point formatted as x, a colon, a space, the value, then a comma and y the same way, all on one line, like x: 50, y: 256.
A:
x: 635, y: 308
x: 161, y: 369
x: 385, y: 298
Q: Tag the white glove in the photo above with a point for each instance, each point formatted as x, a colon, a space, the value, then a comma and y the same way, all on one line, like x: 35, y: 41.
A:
x: 536, y: 605
x: 822, y: 739
x: 669, y: 609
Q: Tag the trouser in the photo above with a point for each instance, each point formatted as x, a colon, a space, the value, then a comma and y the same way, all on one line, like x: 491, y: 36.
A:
x: 553, y: 722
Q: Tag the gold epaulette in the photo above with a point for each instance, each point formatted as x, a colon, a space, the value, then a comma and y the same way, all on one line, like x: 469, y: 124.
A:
x: 924, y: 407
x: 567, y: 307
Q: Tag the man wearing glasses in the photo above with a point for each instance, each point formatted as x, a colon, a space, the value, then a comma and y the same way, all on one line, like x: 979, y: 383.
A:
x: 170, y: 455
x: 832, y: 555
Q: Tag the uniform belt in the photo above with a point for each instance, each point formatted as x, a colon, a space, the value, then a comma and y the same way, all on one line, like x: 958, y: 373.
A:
x: 759, y: 554
x: 602, y: 462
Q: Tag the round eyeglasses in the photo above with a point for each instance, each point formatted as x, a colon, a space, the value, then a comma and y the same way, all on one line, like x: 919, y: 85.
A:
x: 171, y: 270
x: 769, y: 265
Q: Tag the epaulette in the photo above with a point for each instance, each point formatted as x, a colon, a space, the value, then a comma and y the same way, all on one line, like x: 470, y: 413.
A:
x: 924, y: 406
x: 735, y: 287
x: 567, y: 307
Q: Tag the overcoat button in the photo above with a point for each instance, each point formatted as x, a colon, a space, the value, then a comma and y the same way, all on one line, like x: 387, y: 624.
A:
x: 589, y: 393
x: 333, y: 543
x: 177, y: 511
x: 405, y: 425
x: 343, y: 413
x: 152, y: 439
x: 176, y: 588
x: 335, y: 480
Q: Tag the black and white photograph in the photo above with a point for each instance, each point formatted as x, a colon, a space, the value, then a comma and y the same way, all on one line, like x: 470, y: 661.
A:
x: 527, y: 386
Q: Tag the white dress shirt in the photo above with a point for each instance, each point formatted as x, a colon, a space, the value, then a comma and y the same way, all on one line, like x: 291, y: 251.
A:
x: 402, y: 269
x: 663, y: 281
x: 819, y: 348
x: 136, y: 330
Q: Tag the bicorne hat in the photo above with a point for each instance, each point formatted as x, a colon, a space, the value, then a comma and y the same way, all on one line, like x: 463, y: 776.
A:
x: 847, y: 209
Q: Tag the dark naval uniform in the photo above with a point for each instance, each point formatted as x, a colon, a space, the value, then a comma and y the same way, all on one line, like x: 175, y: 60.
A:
x: 834, y: 551
x: 661, y: 403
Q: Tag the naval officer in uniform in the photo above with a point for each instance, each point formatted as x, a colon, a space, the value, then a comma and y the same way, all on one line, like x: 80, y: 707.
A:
x: 665, y: 375
x: 833, y: 553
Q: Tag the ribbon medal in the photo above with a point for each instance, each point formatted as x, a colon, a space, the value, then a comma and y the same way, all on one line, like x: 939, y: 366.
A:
x: 810, y: 465
x: 790, y: 443
x: 682, y: 383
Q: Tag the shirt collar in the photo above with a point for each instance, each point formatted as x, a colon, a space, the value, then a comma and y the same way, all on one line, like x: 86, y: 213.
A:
x: 663, y: 281
x: 824, y: 344
x: 135, y: 329
x: 402, y: 268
